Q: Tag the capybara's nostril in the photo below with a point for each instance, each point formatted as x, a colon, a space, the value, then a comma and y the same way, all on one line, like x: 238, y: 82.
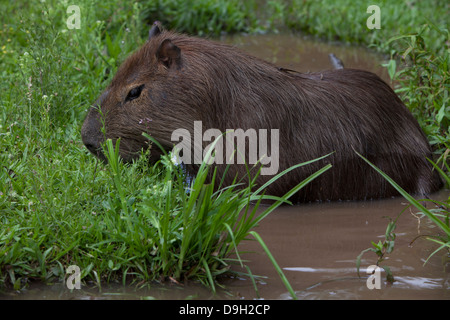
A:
x: 95, y: 149
x: 91, y: 144
x: 92, y: 148
x: 91, y: 133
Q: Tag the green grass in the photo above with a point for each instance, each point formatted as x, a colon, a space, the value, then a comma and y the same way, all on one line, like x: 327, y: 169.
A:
x: 423, y: 83
x: 345, y: 20
x: 202, y: 17
x: 59, y: 206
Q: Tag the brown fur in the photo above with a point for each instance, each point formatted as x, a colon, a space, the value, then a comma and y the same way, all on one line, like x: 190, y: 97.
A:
x: 190, y: 79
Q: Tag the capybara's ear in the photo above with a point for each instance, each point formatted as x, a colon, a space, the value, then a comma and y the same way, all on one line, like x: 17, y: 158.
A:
x: 154, y: 30
x: 169, y: 54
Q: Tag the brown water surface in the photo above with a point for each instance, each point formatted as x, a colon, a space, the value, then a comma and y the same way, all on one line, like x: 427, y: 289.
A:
x: 304, y: 54
x: 316, y: 245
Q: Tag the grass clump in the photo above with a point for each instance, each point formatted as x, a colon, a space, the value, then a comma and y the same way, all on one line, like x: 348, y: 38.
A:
x: 190, y: 230
x: 146, y: 224
x: 349, y: 20
x: 423, y: 83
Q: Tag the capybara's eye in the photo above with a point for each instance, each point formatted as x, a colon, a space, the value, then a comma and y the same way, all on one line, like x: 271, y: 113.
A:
x: 134, y: 93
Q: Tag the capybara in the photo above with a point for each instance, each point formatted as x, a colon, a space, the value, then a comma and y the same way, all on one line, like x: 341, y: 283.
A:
x: 175, y: 80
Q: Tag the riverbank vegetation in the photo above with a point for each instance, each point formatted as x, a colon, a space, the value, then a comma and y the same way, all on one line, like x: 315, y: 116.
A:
x: 134, y: 223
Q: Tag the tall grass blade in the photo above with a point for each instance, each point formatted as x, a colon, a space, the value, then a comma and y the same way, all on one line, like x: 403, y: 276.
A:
x: 413, y: 201
x: 292, y: 192
x: 275, y: 264
x: 441, y: 172
x: 264, y: 186
x: 443, y: 245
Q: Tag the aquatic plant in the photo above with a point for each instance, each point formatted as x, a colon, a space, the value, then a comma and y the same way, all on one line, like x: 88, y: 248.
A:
x: 440, y: 216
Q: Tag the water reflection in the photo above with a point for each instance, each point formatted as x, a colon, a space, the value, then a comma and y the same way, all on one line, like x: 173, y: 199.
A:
x: 419, y: 282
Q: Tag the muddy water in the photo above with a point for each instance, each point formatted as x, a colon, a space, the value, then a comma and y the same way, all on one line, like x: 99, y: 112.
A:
x: 315, y: 244
x: 307, y: 55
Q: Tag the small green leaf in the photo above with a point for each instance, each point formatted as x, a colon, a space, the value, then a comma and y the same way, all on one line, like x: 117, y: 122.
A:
x: 392, y: 68
x: 440, y: 114
x: 405, y: 54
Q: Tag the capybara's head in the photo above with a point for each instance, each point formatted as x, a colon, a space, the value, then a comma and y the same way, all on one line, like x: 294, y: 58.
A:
x: 141, y: 98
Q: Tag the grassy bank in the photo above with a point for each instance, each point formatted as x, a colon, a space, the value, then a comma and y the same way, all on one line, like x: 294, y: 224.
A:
x: 59, y: 207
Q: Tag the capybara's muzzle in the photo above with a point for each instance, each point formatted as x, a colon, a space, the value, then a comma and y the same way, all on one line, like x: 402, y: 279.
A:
x: 91, y: 134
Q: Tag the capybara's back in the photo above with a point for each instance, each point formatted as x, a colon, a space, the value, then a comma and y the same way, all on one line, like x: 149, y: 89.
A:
x: 175, y: 82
